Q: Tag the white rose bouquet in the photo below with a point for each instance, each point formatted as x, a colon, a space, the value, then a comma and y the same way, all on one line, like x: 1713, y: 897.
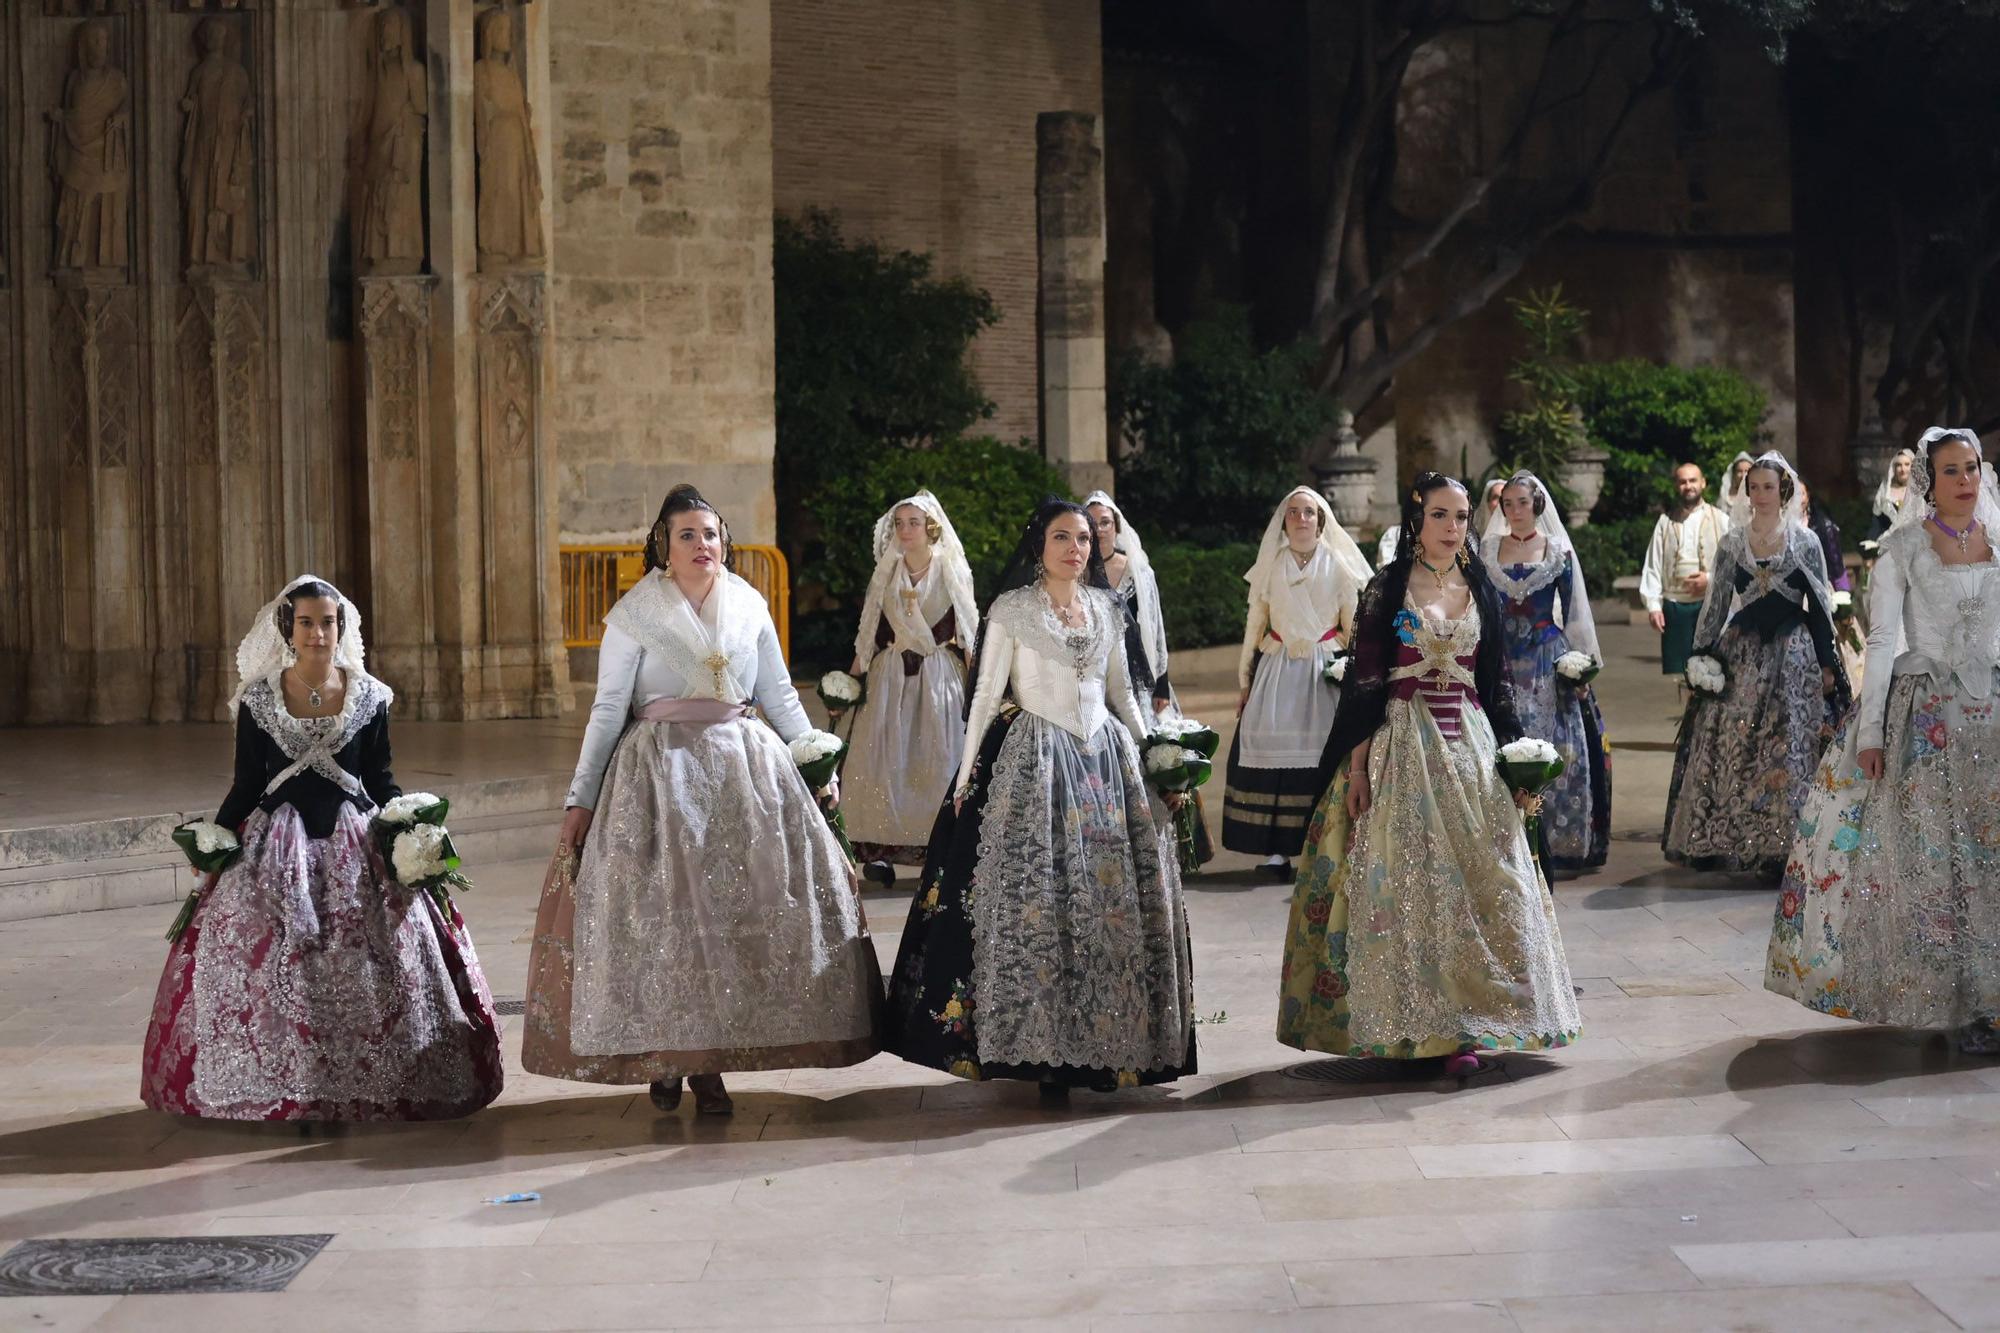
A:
x: 1174, y: 767
x: 211, y: 849
x: 840, y: 692
x: 1844, y: 625
x: 1530, y: 765
x: 409, y: 833
x: 818, y: 755
x: 1190, y: 733
x: 1707, y: 675
x: 1335, y: 671
x: 1578, y: 669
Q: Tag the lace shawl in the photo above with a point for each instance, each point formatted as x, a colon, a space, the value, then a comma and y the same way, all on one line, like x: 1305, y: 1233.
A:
x: 659, y: 616
x: 1024, y: 613
x: 1802, y: 553
x: 304, y: 744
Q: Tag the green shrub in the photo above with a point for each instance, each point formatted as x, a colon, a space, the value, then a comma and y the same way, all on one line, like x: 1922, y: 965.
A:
x: 1650, y: 417
x: 871, y: 353
x: 988, y: 487
x: 1609, y: 551
x: 1202, y: 591
x: 1222, y: 430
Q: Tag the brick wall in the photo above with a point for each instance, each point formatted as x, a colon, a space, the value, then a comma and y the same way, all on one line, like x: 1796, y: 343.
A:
x: 662, y: 312
x: 915, y: 121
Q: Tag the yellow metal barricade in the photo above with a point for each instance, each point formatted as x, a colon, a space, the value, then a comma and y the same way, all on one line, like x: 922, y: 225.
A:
x: 594, y: 577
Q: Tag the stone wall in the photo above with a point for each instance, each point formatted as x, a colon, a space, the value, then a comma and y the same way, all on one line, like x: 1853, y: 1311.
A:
x: 915, y: 121
x: 663, y: 260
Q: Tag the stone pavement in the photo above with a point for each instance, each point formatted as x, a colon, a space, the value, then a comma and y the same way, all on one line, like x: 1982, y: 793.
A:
x: 1707, y: 1157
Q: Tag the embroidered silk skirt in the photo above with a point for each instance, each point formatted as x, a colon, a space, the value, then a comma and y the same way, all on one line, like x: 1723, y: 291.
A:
x: 710, y: 924
x: 1425, y: 928
x: 1888, y: 912
x: 311, y: 986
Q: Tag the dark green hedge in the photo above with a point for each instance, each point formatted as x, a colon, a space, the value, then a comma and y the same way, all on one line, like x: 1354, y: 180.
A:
x: 1202, y: 592
x: 1609, y: 551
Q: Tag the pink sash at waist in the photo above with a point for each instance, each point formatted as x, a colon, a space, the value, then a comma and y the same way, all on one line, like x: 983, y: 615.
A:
x: 692, y: 710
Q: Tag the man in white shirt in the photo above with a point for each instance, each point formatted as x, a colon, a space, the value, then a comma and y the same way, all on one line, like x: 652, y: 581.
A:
x: 1678, y: 560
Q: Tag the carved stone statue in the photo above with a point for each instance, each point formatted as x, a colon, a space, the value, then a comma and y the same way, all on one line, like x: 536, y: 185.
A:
x: 510, y: 179
x: 217, y: 152
x: 389, y: 232
x: 90, y: 154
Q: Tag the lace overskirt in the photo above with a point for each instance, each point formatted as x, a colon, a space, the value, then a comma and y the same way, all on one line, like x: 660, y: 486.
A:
x: 1888, y: 911
x: 712, y: 914
x: 1425, y: 927
x: 1746, y: 758
x: 904, y: 749
x: 311, y: 986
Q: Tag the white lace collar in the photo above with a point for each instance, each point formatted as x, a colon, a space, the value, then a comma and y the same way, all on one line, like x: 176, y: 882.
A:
x: 311, y: 742
x: 1026, y: 614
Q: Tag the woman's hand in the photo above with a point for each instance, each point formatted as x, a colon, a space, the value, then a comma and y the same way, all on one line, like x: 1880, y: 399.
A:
x: 576, y: 823
x: 1526, y: 804
x: 829, y: 796
x: 1826, y: 680
x: 1359, y: 796
x: 1174, y: 800
x: 1872, y: 763
x: 958, y: 804
x: 1242, y: 700
x: 855, y: 670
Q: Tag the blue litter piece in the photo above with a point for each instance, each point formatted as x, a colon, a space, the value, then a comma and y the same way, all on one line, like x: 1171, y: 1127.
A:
x: 527, y: 1196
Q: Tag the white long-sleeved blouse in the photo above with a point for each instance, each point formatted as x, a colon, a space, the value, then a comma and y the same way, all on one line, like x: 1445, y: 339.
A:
x: 1074, y: 679
x: 645, y: 656
x: 1926, y: 616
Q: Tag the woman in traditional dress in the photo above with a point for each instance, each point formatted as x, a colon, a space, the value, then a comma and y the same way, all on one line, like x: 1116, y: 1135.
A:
x: 1130, y: 574
x: 917, y: 623
x: 1303, y: 588
x: 1890, y: 493
x: 309, y: 984
x: 1887, y: 912
x: 1545, y: 612
x: 710, y: 922
x: 1421, y: 926
x: 1048, y: 940
x: 1746, y: 756
x: 1735, y: 499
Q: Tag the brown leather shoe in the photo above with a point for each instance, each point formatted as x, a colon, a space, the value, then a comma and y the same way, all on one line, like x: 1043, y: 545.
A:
x: 710, y: 1097
x: 666, y: 1093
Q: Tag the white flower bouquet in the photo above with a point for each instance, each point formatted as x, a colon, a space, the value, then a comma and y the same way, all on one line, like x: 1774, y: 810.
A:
x: 1578, y: 669
x: 1870, y: 548
x: 1530, y: 765
x: 1335, y: 671
x: 410, y: 834
x: 1707, y: 675
x: 1190, y: 733
x: 840, y: 692
x: 818, y: 755
x: 1845, y: 627
x: 1177, y: 768
x: 1843, y: 604
x: 211, y: 849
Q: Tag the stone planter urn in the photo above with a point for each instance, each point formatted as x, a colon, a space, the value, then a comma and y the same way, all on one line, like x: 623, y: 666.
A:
x: 1870, y: 452
x: 1346, y: 476
x: 1582, y: 476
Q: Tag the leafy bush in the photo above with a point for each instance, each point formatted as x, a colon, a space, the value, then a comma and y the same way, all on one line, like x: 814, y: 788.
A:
x: 988, y: 487
x: 1541, y: 437
x: 1651, y: 416
x: 871, y: 354
x: 1214, y: 440
x: 1609, y: 551
x: 1202, y: 591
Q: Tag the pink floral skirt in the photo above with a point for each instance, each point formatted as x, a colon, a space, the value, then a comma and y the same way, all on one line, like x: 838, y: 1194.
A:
x: 311, y: 986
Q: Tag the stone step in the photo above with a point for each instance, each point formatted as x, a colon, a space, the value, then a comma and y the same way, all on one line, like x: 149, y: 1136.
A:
x: 159, y: 873
x: 108, y: 839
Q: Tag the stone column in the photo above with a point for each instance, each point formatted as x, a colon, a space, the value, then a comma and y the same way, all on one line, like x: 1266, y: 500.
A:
x: 394, y: 337
x: 1069, y: 187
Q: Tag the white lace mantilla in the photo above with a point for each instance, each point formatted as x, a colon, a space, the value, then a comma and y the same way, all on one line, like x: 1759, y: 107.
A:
x: 1029, y: 617
x: 311, y: 742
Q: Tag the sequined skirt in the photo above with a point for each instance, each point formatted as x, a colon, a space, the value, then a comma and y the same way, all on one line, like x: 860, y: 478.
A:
x: 311, y: 986
x: 1746, y: 758
x: 710, y: 924
x: 1425, y: 927
x: 1890, y: 907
